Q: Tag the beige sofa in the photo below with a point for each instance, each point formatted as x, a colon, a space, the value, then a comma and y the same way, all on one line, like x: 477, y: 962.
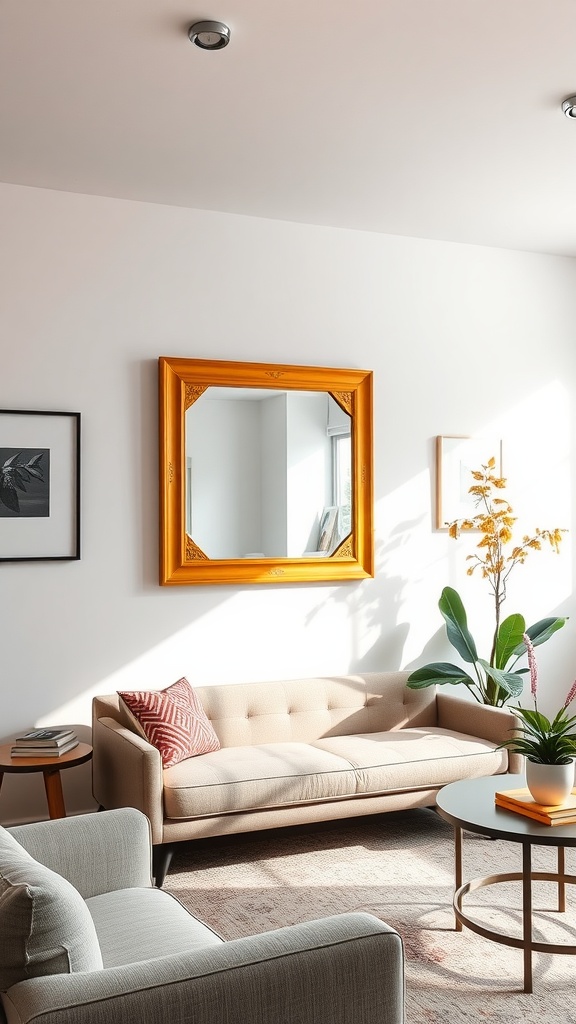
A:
x: 298, y: 751
x: 86, y: 939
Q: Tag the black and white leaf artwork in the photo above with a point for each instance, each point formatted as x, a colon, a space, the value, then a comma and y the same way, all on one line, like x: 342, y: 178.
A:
x: 24, y: 482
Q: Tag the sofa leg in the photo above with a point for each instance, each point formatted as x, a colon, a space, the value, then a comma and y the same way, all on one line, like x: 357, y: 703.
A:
x: 161, y: 857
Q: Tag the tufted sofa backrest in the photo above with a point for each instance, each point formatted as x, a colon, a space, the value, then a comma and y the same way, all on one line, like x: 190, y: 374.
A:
x: 303, y: 710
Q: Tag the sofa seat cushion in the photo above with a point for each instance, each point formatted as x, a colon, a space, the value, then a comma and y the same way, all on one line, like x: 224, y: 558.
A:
x: 45, y: 927
x: 281, y: 774
x: 413, y: 758
x: 142, y: 924
x: 244, y: 778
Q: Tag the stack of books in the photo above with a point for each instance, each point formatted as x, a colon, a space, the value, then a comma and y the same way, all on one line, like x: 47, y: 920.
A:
x: 44, y: 743
x: 521, y: 801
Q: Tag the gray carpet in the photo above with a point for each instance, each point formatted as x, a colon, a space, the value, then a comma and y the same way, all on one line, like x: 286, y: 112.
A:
x: 399, y: 867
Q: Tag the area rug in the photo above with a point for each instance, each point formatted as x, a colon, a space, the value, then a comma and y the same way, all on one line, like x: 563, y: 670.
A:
x: 398, y: 866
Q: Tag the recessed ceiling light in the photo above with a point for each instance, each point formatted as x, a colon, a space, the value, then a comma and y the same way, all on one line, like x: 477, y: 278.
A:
x: 569, y: 106
x: 209, y: 35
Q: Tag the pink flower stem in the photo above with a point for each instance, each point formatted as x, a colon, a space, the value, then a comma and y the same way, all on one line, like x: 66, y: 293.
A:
x: 571, y: 695
x: 532, y: 666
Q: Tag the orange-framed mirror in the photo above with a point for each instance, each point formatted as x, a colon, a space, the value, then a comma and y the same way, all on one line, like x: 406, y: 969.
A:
x: 265, y: 473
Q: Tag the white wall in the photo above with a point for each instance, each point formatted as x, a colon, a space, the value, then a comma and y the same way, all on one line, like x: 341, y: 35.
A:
x: 462, y: 340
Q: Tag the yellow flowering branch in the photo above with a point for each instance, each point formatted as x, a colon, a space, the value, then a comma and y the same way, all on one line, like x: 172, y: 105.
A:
x: 495, y: 520
x: 498, y: 679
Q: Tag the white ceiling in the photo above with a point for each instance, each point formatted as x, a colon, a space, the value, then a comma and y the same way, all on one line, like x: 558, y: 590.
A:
x: 431, y: 118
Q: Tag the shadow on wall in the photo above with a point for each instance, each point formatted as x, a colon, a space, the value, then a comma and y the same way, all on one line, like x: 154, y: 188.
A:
x: 373, y: 608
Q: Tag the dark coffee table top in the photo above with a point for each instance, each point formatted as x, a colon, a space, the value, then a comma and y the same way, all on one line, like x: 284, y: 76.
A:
x: 469, y: 804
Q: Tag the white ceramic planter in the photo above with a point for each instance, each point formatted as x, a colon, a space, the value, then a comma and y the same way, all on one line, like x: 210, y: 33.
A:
x: 550, y: 784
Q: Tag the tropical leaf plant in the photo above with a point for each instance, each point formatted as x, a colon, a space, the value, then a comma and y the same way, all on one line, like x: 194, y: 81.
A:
x: 490, y: 682
x: 493, y: 680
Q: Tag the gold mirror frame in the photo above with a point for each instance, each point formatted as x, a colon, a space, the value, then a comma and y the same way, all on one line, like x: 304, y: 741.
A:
x: 182, y: 381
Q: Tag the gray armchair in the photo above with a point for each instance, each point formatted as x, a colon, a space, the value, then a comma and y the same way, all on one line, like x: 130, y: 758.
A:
x: 87, y: 939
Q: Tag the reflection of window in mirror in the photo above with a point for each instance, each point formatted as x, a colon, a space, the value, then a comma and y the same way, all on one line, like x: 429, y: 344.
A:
x: 339, y: 432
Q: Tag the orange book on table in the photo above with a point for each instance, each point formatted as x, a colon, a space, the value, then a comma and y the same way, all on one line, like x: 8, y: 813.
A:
x: 521, y: 801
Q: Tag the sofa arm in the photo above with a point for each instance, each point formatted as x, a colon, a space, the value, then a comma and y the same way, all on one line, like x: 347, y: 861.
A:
x: 338, y: 970
x: 127, y: 772
x: 482, y: 720
x: 97, y: 853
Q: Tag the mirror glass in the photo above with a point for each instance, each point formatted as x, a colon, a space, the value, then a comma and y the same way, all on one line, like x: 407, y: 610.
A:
x: 268, y: 473
x: 265, y: 472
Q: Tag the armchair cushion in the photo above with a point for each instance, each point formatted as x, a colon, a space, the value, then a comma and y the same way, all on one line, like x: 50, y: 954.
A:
x: 45, y: 924
x: 141, y: 924
x: 172, y: 720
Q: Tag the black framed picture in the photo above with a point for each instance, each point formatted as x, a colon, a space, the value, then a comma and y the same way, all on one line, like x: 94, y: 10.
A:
x: 39, y: 485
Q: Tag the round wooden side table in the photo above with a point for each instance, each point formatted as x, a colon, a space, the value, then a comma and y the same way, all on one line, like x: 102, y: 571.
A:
x: 50, y: 768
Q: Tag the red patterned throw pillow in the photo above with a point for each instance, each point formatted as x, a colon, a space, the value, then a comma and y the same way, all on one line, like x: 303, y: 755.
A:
x: 173, y: 720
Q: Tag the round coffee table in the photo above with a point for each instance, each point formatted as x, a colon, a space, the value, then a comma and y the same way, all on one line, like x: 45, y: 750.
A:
x: 50, y: 768
x: 469, y: 806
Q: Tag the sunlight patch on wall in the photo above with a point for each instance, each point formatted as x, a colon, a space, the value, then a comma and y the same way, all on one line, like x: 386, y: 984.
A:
x: 236, y: 641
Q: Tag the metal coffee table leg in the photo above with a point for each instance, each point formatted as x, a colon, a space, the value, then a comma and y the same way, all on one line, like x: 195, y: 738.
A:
x: 527, y: 914
x: 561, y: 882
x: 457, y: 869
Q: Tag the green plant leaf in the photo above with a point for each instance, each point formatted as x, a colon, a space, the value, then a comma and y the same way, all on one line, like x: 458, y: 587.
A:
x: 541, y: 753
x: 438, y: 673
x: 511, y: 682
x: 540, y: 632
x: 451, y: 607
x: 508, y: 638
x: 521, y: 746
x: 563, y: 726
x: 533, y: 721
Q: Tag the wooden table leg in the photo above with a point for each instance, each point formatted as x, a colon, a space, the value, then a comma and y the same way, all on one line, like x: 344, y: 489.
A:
x: 54, y: 794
